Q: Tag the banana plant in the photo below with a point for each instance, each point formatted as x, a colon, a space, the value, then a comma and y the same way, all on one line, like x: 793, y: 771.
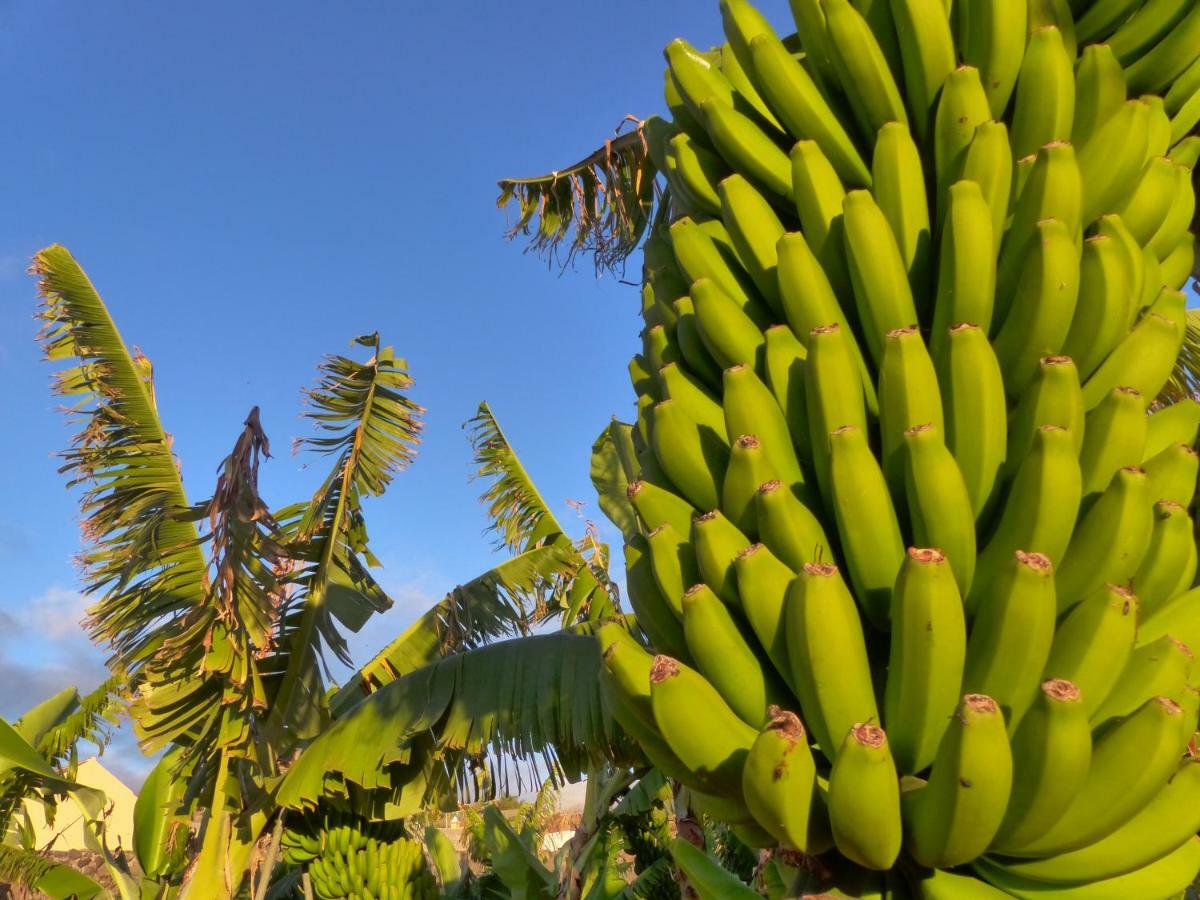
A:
x: 220, y: 614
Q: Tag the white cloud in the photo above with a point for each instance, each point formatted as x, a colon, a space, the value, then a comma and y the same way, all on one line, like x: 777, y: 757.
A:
x: 56, y: 614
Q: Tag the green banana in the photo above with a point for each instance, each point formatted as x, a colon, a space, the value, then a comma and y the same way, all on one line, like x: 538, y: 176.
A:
x: 1186, y: 152
x: 819, y: 198
x: 717, y: 542
x: 1051, y: 751
x: 658, y: 347
x: 724, y: 655
x: 673, y: 563
x: 1104, y: 307
x: 1159, y: 668
x: 750, y: 408
x: 992, y: 39
x: 699, y: 170
x: 1114, y: 437
x: 942, y: 884
x: 1111, y: 161
x: 785, y: 358
x: 800, y: 105
x: 814, y: 38
x: 762, y: 585
x: 1182, y: 89
x: 807, y: 297
x: 962, y: 109
x: 1169, y: 566
x: 702, y: 407
x: 938, y: 503
x: 730, y: 336
x: 975, y: 410
x: 1039, y: 510
x: 1166, y: 822
x: 755, y: 229
x: 653, y: 611
x: 657, y: 506
x: 864, y: 799
x: 899, y: 190
x: 966, y: 283
x: 954, y: 817
x: 1159, y: 125
x: 927, y: 54
x: 988, y: 161
x: 827, y: 649
x: 1110, y: 539
x: 862, y: 69
x: 693, y: 457
x: 1101, y: 18
x: 744, y: 89
x: 908, y: 396
x: 882, y: 293
x: 1053, y: 190
x: 1139, y: 752
x: 868, y: 530
x: 1011, y: 635
x: 1178, y: 423
x: 925, y: 663
x: 695, y: 76
x: 1145, y: 357
x: 788, y: 528
x: 700, y: 257
x: 1044, y: 107
x: 1053, y: 398
x: 746, y: 147
x: 699, y: 727
x: 625, y: 668
x: 1172, y: 474
x: 641, y: 379
x: 692, y: 350
x: 1094, y: 642
x: 833, y: 391
x: 1169, y: 58
x: 1178, y: 218
x: 1099, y: 91
x: 779, y: 781
x: 1148, y: 204
x: 1042, y: 306
x: 1042, y: 13
x: 748, y: 468
x: 1179, y: 264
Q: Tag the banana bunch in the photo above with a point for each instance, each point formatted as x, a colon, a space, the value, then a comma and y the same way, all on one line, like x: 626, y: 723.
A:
x: 916, y: 559
x: 346, y: 856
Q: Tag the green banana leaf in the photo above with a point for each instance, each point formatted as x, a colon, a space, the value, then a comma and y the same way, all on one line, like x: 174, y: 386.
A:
x: 446, y: 861
x: 54, y: 880
x: 35, y: 722
x: 522, y: 699
x: 143, y: 558
x: 520, y: 517
x: 366, y: 422
x: 17, y: 753
x: 490, y: 606
x: 155, y: 818
x: 515, y: 863
x: 705, y: 875
x: 613, y: 467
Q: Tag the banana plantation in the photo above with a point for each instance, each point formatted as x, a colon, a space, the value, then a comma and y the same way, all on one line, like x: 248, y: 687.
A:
x: 909, y: 601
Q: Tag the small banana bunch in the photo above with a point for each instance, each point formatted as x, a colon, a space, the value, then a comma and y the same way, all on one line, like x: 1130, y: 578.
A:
x: 915, y: 550
x: 346, y: 856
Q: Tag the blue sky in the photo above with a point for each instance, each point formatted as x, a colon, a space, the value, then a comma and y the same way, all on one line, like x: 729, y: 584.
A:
x: 251, y: 185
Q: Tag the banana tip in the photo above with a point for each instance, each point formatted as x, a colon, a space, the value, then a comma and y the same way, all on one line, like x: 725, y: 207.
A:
x: 663, y: 668
x: 926, y: 555
x: 868, y: 735
x: 980, y: 703
x: 1060, y: 689
x: 785, y: 723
